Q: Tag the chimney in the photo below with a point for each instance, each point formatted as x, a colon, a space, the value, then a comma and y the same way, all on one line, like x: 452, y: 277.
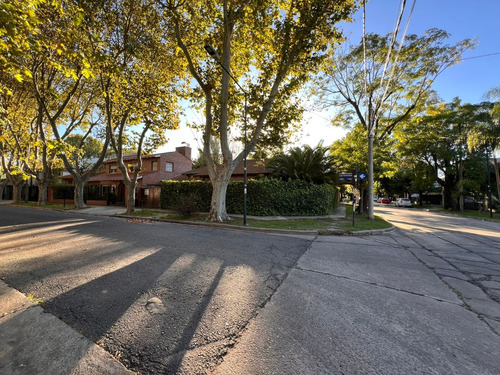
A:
x: 184, y: 150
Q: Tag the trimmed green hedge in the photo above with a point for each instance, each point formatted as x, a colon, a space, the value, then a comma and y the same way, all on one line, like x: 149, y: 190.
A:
x: 266, y: 197
x: 62, y: 191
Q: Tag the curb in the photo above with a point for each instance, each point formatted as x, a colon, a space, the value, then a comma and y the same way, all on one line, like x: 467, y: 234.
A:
x: 339, y: 232
x: 315, y: 232
x: 33, y: 341
x: 222, y: 226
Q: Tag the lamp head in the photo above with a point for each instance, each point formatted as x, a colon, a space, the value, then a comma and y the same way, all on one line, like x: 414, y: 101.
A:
x: 212, y: 52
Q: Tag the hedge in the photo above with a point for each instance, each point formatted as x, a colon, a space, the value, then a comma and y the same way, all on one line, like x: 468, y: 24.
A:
x: 266, y: 197
x: 63, y: 191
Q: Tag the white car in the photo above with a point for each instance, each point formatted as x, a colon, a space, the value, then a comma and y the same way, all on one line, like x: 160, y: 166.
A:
x: 403, y: 202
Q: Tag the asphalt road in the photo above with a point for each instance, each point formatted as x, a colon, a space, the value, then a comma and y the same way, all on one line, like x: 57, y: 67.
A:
x: 167, y: 298
x: 161, y: 298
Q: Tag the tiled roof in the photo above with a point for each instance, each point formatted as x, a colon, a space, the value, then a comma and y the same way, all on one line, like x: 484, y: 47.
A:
x: 254, y: 167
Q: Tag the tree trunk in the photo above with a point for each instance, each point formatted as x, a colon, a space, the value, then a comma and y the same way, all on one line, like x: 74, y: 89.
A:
x: 42, y: 192
x: 497, y: 174
x: 16, y: 192
x: 79, y: 201
x: 130, y: 197
x: 461, y: 187
x: 218, y: 211
x: 448, y: 200
x: 371, y: 214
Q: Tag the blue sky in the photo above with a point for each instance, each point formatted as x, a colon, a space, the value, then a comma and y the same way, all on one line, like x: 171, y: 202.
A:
x: 463, y: 19
x: 469, y: 80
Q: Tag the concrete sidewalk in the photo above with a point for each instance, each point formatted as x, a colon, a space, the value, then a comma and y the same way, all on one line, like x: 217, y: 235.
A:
x: 339, y: 213
x: 34, y: 342
x: 355, y: 305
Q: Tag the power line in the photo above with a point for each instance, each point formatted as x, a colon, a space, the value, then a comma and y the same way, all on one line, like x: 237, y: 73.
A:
x: 477, y: 57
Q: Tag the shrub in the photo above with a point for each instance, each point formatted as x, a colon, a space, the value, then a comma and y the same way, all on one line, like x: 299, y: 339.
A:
x: 186, y: 204
x: 266, y: 197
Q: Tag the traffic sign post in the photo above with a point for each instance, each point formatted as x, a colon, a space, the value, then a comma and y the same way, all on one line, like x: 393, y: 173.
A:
x: 354, y: 201
x: 346, y: 176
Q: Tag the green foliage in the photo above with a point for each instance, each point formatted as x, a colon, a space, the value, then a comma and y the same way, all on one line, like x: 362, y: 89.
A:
x: 351, y: 151
x: 308, y: 164
x: 386, y: 95
x: 271, y: 48
x: 172, y: 190
x: 266, y: 197
x: 63, y: 191
x: 436, y: 142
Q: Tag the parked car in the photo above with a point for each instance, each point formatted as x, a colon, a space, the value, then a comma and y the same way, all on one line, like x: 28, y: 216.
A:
x: 385, y: 200
x: 403, y: 202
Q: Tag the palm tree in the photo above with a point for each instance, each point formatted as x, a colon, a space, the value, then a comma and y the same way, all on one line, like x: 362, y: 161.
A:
x: 313, y: 165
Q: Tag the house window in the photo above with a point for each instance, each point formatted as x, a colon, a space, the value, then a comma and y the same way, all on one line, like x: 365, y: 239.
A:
x: 133, y: 167
x: 170, y: 167
x: 154, y: 165
x: 113, y: 168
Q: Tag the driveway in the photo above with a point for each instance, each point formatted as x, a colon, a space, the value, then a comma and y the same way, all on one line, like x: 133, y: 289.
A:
x: 174, y: 299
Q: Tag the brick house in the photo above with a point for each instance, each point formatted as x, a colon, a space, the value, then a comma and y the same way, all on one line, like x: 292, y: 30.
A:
x: 256, y: 168
x: 155, y: 168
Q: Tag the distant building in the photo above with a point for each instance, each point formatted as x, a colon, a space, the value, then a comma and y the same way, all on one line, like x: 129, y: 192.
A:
x: 155, y: 169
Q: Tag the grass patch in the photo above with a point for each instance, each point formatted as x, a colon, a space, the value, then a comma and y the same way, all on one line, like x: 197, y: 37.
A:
x: 146, y: 213
x: 362, y: 222
x: 176, y: 216
x: 469, y: 213
x: 49, y: 206
x: 290, y: 224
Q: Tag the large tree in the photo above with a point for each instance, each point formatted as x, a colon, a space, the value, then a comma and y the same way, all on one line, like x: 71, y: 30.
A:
x: 138, y: 72
x: 490, y: 134
x: 350, y: 154
x: 379, y: 83
x: 438, y: 137
x: 61, y: 76
x: 271, y: 48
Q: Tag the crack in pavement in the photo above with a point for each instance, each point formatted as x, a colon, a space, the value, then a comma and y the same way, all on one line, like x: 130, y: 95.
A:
x: 377, y: 285
x: 465, y: 304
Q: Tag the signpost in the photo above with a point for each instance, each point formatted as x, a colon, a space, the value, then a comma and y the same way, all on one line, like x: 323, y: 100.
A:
x: 355, y: 191
x: 346, y: 176
x: 361, y: 176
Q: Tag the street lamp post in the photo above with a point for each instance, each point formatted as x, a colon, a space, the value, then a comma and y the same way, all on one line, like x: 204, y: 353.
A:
x: 489, y: 181
x: 213, y: 53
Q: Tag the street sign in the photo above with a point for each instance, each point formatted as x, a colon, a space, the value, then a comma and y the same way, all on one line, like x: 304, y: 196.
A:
x: 346, y: 176
x: 362, y: 176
